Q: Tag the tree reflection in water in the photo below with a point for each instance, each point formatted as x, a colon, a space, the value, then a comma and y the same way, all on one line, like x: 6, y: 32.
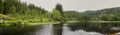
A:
x: 104, y: 28
x: 57, y: 29
x: 18, y: 30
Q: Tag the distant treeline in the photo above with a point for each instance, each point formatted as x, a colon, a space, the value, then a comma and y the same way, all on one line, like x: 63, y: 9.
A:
x: 15, y: 10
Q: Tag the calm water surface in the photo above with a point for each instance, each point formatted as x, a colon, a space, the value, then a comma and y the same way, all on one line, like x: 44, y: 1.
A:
x: 63, y: 29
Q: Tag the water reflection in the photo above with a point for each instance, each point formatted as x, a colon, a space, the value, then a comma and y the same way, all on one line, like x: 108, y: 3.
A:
x: 17, y: 30
x: 104, y: 28
x: 75, y: 31
x: 79, y: 28
x: 57, y: 29
x: 45, y: 30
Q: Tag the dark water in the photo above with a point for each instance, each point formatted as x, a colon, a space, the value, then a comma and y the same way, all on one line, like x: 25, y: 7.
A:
x: 63, y: 29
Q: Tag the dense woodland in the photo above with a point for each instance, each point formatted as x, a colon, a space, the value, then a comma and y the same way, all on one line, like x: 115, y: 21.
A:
x: 14, y: 10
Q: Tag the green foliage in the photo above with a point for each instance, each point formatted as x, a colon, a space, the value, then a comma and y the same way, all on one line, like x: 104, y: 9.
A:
x: 12, y: 9
x: 110, y: 14
x: 1, y: 6
x: 2, y: 16
x: 71, y: 15
x: 56, y: 15
x: 59, y: 8
x: 20, y: 11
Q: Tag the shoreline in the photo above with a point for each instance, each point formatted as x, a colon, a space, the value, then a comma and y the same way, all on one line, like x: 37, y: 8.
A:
x: 7, y: 23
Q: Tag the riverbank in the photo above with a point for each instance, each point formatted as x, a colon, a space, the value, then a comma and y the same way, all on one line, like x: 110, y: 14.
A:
x: 15, y: 23
x: 43, y: 23
x: 95, y: 21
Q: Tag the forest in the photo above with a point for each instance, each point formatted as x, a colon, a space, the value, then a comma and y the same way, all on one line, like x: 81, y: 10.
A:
x: 14, y: 10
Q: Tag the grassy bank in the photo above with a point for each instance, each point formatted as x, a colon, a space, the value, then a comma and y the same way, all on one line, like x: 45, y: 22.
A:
x: 15, y: 23
x: 37, y: 23
x: 94, y: 21
x: 19, y: 23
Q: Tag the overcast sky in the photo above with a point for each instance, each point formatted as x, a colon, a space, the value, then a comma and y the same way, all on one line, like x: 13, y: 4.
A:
x: 77, y: 5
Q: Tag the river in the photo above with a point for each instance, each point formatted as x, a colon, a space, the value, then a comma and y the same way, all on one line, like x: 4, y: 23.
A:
x: 63, y: 29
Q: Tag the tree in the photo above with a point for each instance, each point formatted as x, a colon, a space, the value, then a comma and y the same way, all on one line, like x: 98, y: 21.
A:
x: 8, y: 4
x: 44, y: 11
x: 59, y: 8
x: 31, y: 6
x: 56, y: 15
x: 1, y: 6
x: 12, y: 9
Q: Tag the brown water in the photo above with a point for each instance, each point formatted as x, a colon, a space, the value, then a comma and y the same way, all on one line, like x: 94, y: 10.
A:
x: 63, y: 29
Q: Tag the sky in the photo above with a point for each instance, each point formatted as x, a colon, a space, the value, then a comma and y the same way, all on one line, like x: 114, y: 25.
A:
x: 76, y: 5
